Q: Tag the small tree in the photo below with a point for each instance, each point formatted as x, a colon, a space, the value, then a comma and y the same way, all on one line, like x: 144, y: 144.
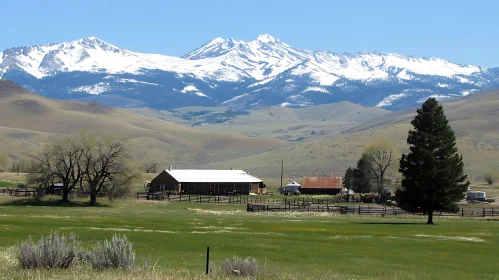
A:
x: 151, y: 167
x: 490, y: 177
x: 4, y: 161
x: 383, y: 157
x: 433, y: 178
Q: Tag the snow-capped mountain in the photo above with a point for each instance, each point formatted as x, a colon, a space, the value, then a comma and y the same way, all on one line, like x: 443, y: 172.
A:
x: 229, y: 72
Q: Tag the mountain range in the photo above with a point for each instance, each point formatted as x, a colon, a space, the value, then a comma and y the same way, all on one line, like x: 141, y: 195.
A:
x: 238, y: 75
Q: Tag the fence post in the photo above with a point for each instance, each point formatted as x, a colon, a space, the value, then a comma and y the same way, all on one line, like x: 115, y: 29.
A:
x: 189, y: 198
x: 359, y: 209
x: 207, y: 259
x: 462, y: 212
x: 484, y: 212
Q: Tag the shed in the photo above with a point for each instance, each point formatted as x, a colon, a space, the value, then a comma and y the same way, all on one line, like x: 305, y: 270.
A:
x: 321, y: 185
x: 206, y: 181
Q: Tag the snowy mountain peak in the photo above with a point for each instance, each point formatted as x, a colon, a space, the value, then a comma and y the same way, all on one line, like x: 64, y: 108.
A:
x: 95, y: 43
x: 266, y: 38
x: 216, y: 47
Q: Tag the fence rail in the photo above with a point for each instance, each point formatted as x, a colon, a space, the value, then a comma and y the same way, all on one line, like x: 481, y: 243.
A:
x: 366, y: 210
x: 18, y: 192
x: 234, y: 199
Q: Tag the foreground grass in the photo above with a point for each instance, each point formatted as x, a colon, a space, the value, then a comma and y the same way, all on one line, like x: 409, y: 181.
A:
x: 174, y: 237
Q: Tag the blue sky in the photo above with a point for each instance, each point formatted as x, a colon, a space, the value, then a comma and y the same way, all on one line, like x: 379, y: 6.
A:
x: 465, y: 32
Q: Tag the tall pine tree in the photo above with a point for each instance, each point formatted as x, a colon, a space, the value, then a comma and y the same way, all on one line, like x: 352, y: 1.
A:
x: 433, y: 177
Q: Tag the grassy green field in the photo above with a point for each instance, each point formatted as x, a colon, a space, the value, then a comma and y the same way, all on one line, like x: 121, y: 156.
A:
x: 174, y: 236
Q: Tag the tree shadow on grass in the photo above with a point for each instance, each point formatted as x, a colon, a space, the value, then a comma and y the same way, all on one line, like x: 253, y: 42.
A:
x: 389, y: 223
x: 51, y: 202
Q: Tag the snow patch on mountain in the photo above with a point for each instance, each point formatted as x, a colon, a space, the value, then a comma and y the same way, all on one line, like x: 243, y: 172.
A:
x: 121, y: 80
x: 318, y: 89
x: 94, y: 89
x: 443, y: 85
x: 404, y: 75
x: 388, y: 101
x: 190, y: 89
x: 438, y: 97
x: 235, y: 98
x: 468, y: 92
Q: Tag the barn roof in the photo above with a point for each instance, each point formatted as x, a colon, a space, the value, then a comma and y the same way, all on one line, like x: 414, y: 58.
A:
x: 321, y: 183
x: 212, y: 176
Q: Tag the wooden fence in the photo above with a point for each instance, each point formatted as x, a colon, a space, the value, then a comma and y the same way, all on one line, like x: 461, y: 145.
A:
x: 366, y: 210
x: 234, y: 199
x: 18, y: 192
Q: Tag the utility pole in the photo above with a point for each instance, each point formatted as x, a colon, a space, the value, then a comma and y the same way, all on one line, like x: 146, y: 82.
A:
x: 282, y: 170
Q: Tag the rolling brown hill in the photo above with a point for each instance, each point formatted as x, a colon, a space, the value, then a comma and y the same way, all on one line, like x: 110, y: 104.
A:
x: 27, y: 121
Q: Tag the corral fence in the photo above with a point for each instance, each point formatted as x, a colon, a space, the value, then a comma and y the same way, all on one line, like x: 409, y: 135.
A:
x: 235, y: 199
x: 366, y: 210
x: 18, y: 192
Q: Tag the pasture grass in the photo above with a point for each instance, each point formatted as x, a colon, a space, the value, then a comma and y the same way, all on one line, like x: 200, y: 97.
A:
x: 173, y: 238
x: 4, y: 184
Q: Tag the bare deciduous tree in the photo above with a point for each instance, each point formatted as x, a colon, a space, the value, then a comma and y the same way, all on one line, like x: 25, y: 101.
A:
x: 59, y: 162
x: 89, y: 161
x: 107, y: 166
x: 151, y: 167
x: 383, y: 155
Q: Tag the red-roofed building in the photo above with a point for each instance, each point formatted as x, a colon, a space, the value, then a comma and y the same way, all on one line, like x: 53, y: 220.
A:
x: 321, y: 185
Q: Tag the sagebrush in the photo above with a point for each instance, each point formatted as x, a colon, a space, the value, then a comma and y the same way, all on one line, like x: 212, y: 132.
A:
x: 240, y: 266
x: 52, y: 251
x: 116, y: 253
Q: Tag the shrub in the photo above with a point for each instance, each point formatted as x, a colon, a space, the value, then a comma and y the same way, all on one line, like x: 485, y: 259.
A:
x: 53, y: 251
x: 117, y: 253
x: 242, y: 267
x: 490, y: 177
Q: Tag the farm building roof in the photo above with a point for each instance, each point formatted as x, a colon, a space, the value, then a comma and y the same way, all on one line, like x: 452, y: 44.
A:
x: 321, y: 183
x: 212, y: 176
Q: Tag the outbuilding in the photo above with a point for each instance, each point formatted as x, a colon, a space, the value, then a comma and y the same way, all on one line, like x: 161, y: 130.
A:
x: 206, y: 181
x: 321, y: 185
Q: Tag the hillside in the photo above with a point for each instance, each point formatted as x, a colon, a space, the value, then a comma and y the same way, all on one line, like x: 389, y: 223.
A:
x: 474, y: 119
x: 27, y: 121
x: 290, y: 124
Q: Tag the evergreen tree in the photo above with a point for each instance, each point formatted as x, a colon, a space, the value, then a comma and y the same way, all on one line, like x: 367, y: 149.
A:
x: 362, y: 182
x: 433, y: 178
x: 348, y: 178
